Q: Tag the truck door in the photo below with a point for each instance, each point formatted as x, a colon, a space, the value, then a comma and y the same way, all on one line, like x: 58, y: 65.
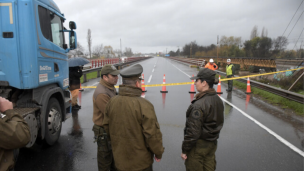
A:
x: 9, y: 57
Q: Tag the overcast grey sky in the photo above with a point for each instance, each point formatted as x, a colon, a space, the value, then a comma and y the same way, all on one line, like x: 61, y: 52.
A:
x: 154, y: 25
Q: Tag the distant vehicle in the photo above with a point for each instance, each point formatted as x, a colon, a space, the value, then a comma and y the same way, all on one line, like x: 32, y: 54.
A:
x: 123, y: 59
x: 34, y: 71
x: 146, y: 55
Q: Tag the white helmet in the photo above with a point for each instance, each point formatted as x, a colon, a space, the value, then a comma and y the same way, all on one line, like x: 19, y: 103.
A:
x: 228, y: 60
x: 211, y: 60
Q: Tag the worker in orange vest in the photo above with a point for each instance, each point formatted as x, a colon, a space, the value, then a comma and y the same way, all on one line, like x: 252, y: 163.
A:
x: 211, y: 65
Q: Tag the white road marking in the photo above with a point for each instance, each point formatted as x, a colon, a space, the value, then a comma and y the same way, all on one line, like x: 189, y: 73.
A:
x: 288, y: 144
x: 153, y: 70
x: 181, y: 70
x: 150, y: 79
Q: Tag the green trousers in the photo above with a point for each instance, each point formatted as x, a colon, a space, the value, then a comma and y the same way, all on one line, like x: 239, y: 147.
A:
x: 147, y: 169
x: 202, y: 156
x: 230, y: 83
x: 104, y: 154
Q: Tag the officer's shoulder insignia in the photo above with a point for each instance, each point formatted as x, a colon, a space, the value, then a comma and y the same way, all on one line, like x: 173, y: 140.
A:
x: 196, y: 114
x: 2, y: 116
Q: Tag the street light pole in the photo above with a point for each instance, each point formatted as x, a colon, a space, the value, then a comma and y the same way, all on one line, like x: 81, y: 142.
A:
x: 217, y: 49
x: 190, y: 50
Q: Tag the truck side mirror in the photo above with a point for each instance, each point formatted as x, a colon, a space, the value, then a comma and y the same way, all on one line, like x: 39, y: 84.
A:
x: 72, y: 25
x: 73, y: 40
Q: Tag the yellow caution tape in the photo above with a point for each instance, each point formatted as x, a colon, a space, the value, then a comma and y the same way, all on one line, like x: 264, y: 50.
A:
x: 270, y: 73
x: 187, y: 83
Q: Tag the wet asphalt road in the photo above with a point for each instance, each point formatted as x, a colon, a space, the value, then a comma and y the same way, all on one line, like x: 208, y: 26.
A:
x: 243, y: 145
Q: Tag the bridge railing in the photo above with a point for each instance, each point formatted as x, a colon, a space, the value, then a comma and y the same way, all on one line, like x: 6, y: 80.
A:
x: 281, y: 92
x: 119, y: 65
x: 245, y: 62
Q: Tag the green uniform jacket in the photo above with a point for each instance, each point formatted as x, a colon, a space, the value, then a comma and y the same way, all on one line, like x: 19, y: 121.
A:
x: 205, y: 119
x: 134, y: 130
x: 14, y: 134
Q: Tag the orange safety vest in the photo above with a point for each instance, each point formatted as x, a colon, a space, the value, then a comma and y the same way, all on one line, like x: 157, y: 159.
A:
x: 209, y: 66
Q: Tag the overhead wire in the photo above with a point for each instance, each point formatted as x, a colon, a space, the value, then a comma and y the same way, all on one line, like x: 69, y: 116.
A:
x: 295, y: 23
x: 298, y: 39
x: 292, y: 18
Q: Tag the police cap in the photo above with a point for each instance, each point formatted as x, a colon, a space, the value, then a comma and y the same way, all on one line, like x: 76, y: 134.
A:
x: 109, y: 69
x: 204, y: 73
x: 132, y: 72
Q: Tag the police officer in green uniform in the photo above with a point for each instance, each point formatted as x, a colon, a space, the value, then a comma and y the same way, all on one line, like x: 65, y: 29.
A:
x: 230, y: 74
x: 205, y: 119
x: 104, y: 91
x: 14, y: 134
x: 132, y: 125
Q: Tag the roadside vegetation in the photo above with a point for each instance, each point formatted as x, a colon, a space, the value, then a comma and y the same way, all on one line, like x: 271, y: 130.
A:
x: 259, y: 46
x: 89, y: 76
x: 272, y: 98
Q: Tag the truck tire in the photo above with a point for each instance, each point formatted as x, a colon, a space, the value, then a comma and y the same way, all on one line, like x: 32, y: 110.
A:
x: 53, y: 122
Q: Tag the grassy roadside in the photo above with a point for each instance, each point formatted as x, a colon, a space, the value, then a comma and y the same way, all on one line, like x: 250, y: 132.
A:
x: 89, y: 76
x: 272, y: 98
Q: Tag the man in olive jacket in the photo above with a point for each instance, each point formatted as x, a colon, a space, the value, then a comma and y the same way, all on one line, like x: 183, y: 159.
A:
x: 14, y: 134
x: 132, y: 125
x: 205, y: 119
x: 104, y: 91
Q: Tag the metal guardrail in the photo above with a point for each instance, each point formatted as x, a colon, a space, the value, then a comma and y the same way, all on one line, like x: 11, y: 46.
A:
x: 283, y: 93
x: 117, y: 65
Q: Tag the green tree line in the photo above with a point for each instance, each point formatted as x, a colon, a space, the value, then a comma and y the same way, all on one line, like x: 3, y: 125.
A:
x: 259, y: 46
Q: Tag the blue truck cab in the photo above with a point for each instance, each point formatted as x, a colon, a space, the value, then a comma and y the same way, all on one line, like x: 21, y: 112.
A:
x: 34, y: 72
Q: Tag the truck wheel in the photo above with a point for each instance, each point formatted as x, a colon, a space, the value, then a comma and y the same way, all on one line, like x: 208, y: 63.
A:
x: 53, y: 121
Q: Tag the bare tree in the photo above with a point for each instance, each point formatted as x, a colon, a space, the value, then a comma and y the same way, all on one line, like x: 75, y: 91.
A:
x: 128, y: 52
x: 264, y: 32
x: 229, y: 41
x: 254, y: 32
x: 97, y: 50
x: 78, y: 51
x: 280, y: 43
x: 108, y: 51
x: 89, y: 40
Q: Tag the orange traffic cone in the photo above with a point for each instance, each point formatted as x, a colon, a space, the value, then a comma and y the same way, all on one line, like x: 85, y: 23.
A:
x: 164, y: 87
x: 192, y: 87
x: 218, y: 91
x: 143, y: 89
x: 248, y: 87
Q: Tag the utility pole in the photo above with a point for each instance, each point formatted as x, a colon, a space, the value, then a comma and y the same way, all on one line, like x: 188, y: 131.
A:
x: 190, y: 50
x: 217, y: 49
x: 120, y: 49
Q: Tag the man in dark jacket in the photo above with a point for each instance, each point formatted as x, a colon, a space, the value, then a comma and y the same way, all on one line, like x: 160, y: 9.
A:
x: 14, y: 134
x: 74, y: 76
x: 132, y: 125
x: 104, y: 91
x: 205, y: 118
